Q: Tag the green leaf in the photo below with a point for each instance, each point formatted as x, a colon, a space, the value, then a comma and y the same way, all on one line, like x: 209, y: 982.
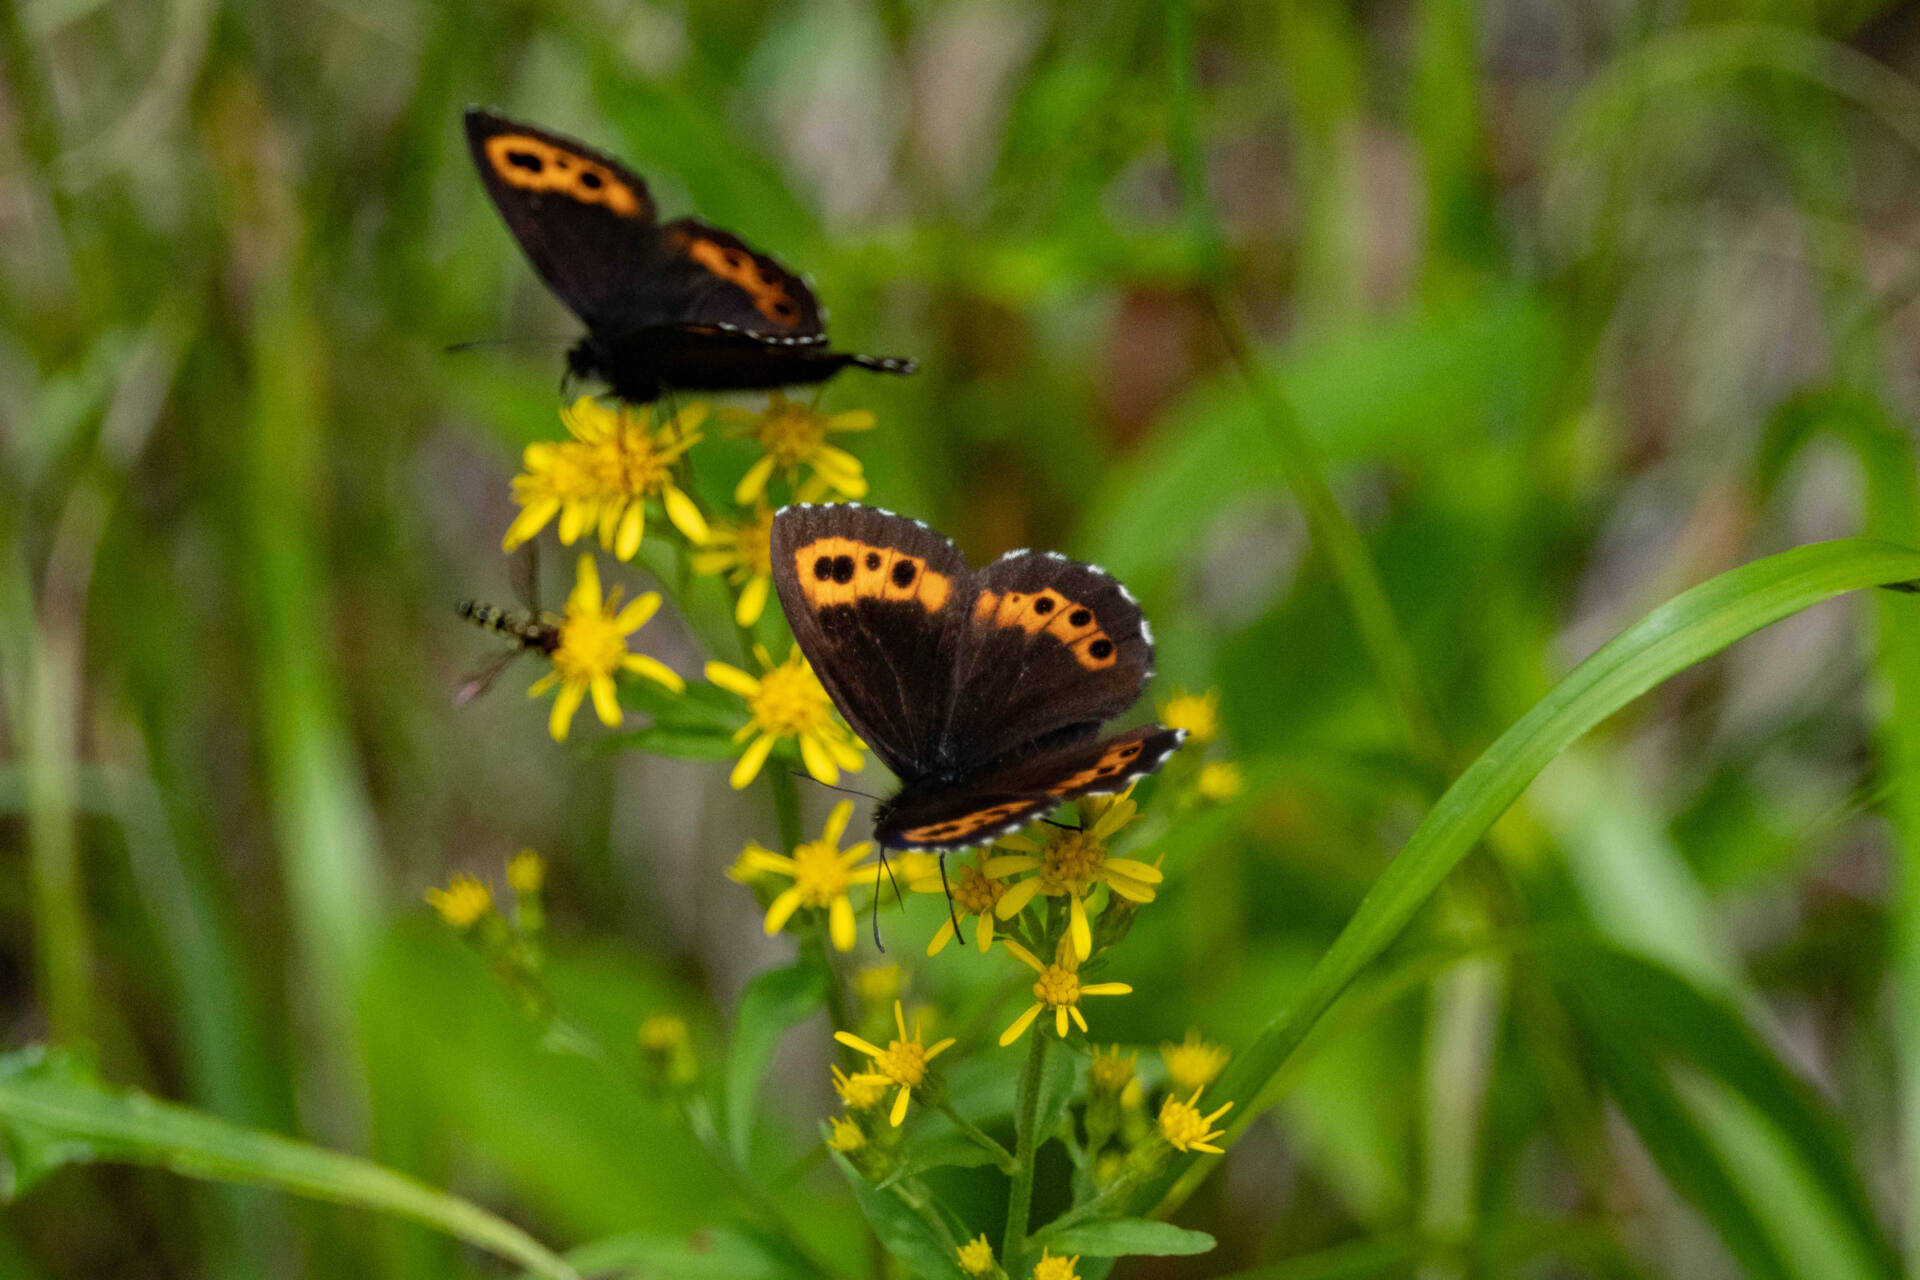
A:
x: 718, y: 1253
x: 771, y: 1004
x: 1692, y: 626
x: 53, y: 1112
x: 1056, y: 1090
x: 946, y: 1150
x: 1124, y: 1237
x: 1633, y: 1001
x: 907, y: 1234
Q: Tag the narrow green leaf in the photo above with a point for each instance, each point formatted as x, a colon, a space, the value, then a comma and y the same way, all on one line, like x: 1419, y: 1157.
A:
x: 1056, y: 1090
x: 680, y: 740
x: 946, y: 1150
x: 771, y: 1004
x: 719, y: 1253
x: 907, y: 1233
x: 50, y: 1106
x: 1125, y: 1237
x: 1681, y: 632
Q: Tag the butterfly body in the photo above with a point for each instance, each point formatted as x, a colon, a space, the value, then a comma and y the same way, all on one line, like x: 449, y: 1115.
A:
x: 983, y: 691
x: 674, y: 305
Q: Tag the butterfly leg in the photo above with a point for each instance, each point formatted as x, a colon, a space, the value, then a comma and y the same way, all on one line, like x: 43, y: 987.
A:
x: 952, y: 919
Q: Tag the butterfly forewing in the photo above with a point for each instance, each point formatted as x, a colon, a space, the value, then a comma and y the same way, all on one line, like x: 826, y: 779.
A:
x: 878, y: 604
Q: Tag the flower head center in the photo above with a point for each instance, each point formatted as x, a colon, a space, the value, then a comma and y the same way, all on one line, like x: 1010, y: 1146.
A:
x: 1182, y: 1124
x: 820, y: 872
x: 1057, y: 988
x: 791, y: 433
x: 633, y: 463
x: 977, y: 892
x: 790, y: 700
x: 904, y: 1062
x: 1071, y: 863
x: 591, y: 643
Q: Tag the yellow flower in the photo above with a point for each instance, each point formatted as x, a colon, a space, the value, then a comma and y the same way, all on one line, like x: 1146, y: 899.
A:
x: 744, y: 552
x: 902, y: 1062
x: 976, y: 1256
x: 861, y: 1091
x: 526, y: 872
x: 1193, y: 1064
x: 1182, y: 1124
x: 663, y: 1033
x: 1074, y: 863
x: 1052, y: 1268
x: 1109, y: 1074
x: 795, y: 435
x: 592, y: 649
x: 1219, y: 780
x: 822, y: 873
x: 847, y: 1136
x: 604, y: 475
x: 977, y: 888
x: 787, y: 701
x: 1059, y: 988
x: 878, y: 984
x: 1197, y: 713
x: 462, y: 902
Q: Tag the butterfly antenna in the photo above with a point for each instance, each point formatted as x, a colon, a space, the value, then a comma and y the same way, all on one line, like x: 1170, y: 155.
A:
x: 1061, y: 825
x: 476, y: 344
x: 881, y: 946
x: 952, y: 919
x: 852, y: 791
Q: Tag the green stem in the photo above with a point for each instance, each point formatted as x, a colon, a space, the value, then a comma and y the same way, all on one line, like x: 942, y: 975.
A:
x: 1026, y: 1115
x: 700, y: 1121
x: 980, y: 1138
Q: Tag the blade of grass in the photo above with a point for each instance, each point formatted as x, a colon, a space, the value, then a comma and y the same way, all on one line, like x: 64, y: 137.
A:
x: 44, y: 1093
x: 1688, y: 628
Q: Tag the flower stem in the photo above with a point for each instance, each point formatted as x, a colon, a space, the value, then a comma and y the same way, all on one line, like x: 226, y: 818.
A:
x: 1001, y: 1156
x: 700, y: 1121
x: 1026, y: 1116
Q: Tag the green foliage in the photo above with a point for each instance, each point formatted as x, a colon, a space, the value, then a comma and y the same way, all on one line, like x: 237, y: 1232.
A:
x: 1398, y: 358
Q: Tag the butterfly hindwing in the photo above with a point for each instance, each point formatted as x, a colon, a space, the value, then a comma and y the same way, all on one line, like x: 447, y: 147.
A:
x: 1006, y: 799
x: 1053, y: 648
x: 584, y: 220
x: 878, y: 605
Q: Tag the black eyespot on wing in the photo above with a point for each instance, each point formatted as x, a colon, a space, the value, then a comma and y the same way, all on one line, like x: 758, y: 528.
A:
x: 843, y: 569
x: 823, y: 568
x: 1101, y: 648
x: 903, y: 573
x: 1080, y: 617
x: 873, y: 560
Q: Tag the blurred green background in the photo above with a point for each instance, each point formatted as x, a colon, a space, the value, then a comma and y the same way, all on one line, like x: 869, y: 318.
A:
x: 1578, y: 304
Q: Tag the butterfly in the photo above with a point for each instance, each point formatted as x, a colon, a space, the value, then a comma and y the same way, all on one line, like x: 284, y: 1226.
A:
x: 674, y: 305
x: 983, y: 691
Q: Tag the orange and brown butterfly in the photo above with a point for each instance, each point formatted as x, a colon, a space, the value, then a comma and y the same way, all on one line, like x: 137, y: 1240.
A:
x: 983, y: 691
x: 679, y: 305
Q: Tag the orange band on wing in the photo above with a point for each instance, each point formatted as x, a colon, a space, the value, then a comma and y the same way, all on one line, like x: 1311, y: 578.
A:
x: 834, y: 571
x: 736, y: 266
x: 966, y: 824
x: 1111, y: 762
x: 1073, y: 625
x: 534, y: 164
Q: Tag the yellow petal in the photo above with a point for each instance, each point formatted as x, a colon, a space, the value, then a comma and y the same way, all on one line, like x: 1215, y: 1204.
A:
x: 941, y: 936
x: 754, y: 483
x: 1025, y: 956
x: 1060, y: 1021
x: 610, y: 520
x: 1079, y: 1020
x: 1082, y: 932
x: 858, y: 1045
x: 1020, y: 1024
x: 983, y: 932
x: 531, y: 520
x: 685, y: 515
x: 818, y: 762
x: 837, y: 823
x: 573, y: 520
x: 1135, y: 869
x: 732, y: 679
x: 637, y: 613
x: 753, y: 600
x: 606, y: 703
x: 586, y: 586
x: 1106, y: 989
x: 845, y: 754
x: 750, y: 761
x: 655, y: 670
x: 900, y: 1106
x: 840, y: 924
x: 782, y: 908
x: 633, y: 527
x: 1014, y: 900
x: 1002, y: 867
x: 563, y: 708
x: 851, y: 420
